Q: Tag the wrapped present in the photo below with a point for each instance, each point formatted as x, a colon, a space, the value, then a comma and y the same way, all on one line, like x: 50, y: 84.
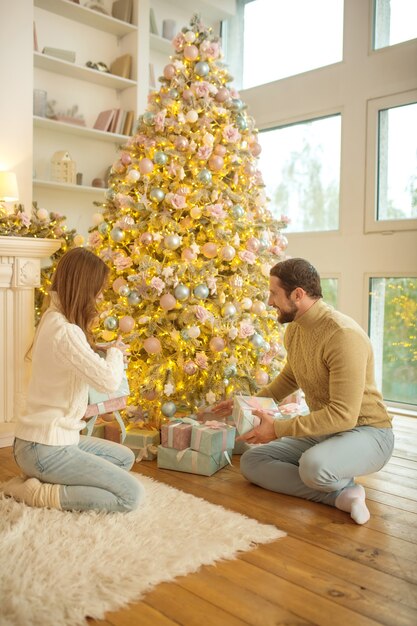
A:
x: 98, y: 430
x: 292, y: 409
x: 177, y: 433
x: 192, y: 461
x: 213, y: 437
x: 113, y: 432
x: 144, y: 443
x: 242, y: 411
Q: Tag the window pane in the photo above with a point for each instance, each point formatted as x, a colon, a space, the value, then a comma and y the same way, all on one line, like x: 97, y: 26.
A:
x: 393, y: 332
x: 300, y: 165
x: 283, y: 38
x: 329, y: 289
x: 395, y: 21
x: 397, y: 163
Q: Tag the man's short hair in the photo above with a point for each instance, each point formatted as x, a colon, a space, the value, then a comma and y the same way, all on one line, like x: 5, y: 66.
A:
x: 294, y: 273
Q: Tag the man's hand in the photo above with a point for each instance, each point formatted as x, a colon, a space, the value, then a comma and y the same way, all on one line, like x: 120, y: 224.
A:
x: 223, y: 409
x: 264, y: 433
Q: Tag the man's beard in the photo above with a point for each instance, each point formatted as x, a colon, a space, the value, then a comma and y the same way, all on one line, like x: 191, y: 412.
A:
x: 284, y: 317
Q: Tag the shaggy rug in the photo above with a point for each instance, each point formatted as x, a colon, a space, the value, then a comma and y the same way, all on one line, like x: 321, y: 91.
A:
x: 58, y: 567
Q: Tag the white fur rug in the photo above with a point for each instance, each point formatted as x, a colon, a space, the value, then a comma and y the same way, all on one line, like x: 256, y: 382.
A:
x: 57, y: 567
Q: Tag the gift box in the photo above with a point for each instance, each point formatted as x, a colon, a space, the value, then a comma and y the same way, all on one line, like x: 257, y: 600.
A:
x: 144, y: 443
x: 177, y: 434
x: 112, y: 431
x: 213, y: 437
x: 242, y: 411
x: 192, y: 461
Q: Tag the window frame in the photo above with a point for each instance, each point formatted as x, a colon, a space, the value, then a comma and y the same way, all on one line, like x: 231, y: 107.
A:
x: 374, y: 106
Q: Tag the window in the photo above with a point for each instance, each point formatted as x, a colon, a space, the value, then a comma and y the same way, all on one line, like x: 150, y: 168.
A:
x: 283, y: 38
x: 300, y: 165
x: 329, y: 290
x: 394, y: 21
x: 392, y: 161
x: 393, y: 332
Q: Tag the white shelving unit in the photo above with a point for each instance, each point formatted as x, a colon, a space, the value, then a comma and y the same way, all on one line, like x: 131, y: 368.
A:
x: 74, y: 129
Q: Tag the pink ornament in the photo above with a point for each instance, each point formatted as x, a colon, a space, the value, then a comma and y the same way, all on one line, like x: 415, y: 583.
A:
x: 253, y: 244
x: 258, y: 307
x: 42, y: 214
x: 188, y: 254
x: 119, y: 282
x: 146, y: 238
x: 167, y: 302
x: 97, y: 218
x: 187, y: 94
x: 126, y: 158
x: 190, y: 368
x: 222, y: 94
x: 169, y: 71
x: 145, y: 166
x: 217, y: 344
x: 256, y: 149
x: 220, y: 149
x: 227, y: 253
x: 126, y: 323
x: 149, y: 395
x: 191, y: 52
x: 216, y: 162
x: 261, y: 378
x: 118, y: 167
x: 209, y: 250
x: 250, y: 169
x: 282, y: 242
x: 152, y: 345
x: 181, y: 143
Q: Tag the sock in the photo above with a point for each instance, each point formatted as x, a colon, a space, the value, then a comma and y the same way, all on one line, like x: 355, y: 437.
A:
x: 352, y: 500
x: 33, y: 492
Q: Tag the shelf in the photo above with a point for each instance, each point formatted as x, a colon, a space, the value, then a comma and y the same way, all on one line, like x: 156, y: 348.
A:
x: 49, y: 184
x: 51, y: 64
x: 81, y: 14
x: 81, y: 131
x: 159, y: 44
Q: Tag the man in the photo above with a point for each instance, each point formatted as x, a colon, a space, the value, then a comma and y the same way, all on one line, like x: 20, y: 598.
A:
x: 348, y: 431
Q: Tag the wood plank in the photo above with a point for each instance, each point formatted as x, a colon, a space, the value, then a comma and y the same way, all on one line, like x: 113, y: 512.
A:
x: 129, y: 616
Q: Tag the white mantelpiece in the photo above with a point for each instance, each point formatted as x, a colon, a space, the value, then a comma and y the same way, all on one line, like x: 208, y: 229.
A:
x: 20, y: 263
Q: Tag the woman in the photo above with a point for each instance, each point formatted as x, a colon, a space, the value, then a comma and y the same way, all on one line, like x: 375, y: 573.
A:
x: 65, y: 470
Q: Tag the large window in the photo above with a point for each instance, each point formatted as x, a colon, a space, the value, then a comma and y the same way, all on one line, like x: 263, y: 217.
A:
x: 329, y: 290
x: 392, y: 163
x: 394, y: 21
x: 393, y: 332
x: 285, y: 37
x: 300, y: 165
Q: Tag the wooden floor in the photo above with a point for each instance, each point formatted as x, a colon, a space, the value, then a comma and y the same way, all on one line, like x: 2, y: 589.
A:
x: 327, y: 571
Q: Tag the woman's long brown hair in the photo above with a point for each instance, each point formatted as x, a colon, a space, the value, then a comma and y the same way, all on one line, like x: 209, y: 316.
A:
x: 78, y: 279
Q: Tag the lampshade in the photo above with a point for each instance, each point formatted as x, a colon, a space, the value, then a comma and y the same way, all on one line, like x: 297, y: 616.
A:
x: 8, y: 187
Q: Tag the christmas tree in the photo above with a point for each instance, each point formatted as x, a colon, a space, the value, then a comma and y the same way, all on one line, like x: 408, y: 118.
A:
x: 190, y: 242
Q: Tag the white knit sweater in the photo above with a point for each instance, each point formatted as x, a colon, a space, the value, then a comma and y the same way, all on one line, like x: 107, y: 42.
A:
x: 63, y: 368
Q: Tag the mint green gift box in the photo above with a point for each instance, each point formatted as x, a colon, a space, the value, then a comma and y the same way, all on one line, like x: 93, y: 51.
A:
x: 213, y: 437
x: 192, y: 461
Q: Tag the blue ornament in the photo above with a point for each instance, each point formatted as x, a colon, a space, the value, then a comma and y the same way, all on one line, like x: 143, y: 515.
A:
x: 103, y: 228
x: 173, y: 93
x: 110, y: 194
x: 238, y: 211
x: 204, y: 177
x: 181, y: 292
x: 168, y: 409
x: 156, y: 194
x: 117, y: 234
x: 241, y: 123
x: 133, y: 298
x: 230, y: 370
x: 201, y: 291
x: 257, y: 340
x: 160, y: 158
x: 111, y: 323
x: 184, y: 334
x: 148, y: 118
x: 236, y: 104
x: 201, y: 68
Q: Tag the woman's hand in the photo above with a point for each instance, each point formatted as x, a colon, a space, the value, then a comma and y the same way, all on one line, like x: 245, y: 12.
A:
x: 119, y: 345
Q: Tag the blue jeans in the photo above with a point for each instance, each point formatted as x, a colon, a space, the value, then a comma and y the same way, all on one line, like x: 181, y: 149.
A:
x: 318, y: 468
x: 92, y: 475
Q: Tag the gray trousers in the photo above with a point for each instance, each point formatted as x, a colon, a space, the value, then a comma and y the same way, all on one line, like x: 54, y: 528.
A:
x: 318, y: 468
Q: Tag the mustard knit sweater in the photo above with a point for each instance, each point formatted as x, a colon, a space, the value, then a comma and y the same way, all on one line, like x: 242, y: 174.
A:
x: 330, y: 358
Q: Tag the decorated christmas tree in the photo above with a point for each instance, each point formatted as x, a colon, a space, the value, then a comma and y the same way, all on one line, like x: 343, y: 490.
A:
x: 190, y: 242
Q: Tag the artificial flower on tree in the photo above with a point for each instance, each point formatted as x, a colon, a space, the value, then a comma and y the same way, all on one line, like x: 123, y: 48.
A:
x: 187, y: 234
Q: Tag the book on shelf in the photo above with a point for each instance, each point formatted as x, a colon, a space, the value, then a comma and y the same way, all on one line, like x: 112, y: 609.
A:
x: 152, y: 23
x: 122, y: 66
x: 115, y: 121
x: 121, y: 122
x: 64, y: 55
x: 104, y: 120
x: 122, y: 10
x: 128, y: 125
